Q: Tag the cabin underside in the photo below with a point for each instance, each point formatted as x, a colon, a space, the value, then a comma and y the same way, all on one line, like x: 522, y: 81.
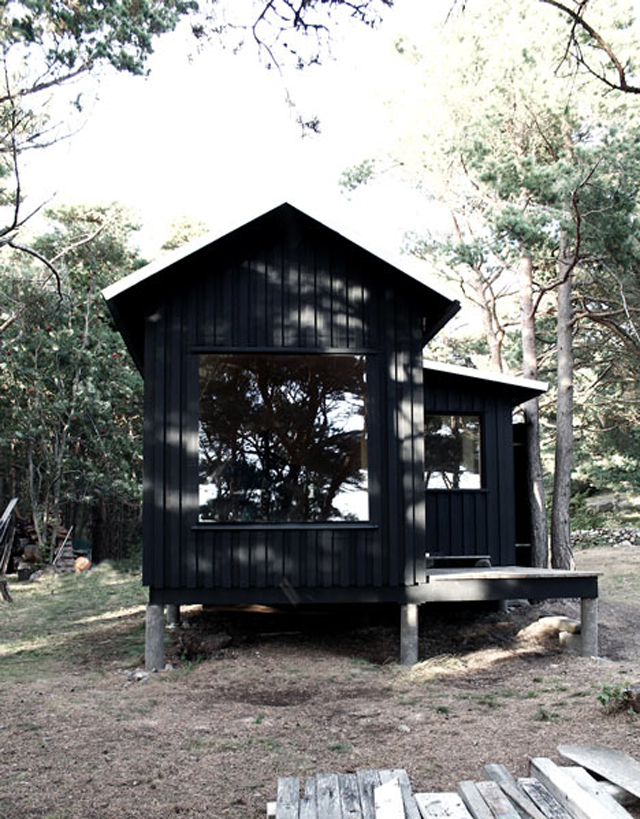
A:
x: 442, y: 586
x: 445, y: 585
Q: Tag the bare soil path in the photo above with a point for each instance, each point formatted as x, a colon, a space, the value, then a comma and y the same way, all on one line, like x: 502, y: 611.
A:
x: 81, y: 739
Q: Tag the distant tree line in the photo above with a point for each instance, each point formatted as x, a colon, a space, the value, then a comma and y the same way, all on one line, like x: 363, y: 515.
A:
x: 70, y: 398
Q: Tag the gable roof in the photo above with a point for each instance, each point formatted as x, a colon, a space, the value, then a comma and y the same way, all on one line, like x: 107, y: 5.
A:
x: 518, y: 389
x: 223, y: 230
x: 126, y: 297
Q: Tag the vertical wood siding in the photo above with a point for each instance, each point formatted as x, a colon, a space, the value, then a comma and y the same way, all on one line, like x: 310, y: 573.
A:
x: 310, y: 292
x: 271, y: 299
x: 470, y: 522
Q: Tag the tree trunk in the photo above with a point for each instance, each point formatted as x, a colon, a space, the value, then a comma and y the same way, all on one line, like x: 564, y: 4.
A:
x: 561, y: 552
x: 492, y: 331
x: 535, y: 485
x: 98, y: 526
x: 484, y: 297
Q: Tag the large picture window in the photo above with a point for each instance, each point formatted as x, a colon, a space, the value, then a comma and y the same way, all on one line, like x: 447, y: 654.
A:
x: 452, y: 452
x: 282, y: 438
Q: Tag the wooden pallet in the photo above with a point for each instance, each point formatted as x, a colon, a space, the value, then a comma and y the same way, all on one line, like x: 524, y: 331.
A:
x: 6, y: 537
x: 551, y: 792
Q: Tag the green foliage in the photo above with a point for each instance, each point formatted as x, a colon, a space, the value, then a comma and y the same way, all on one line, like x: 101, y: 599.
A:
x: 523, y: 157
x: 181, y: 231
x: 73, y: 35
x: 614, y: 698
x: 283, y: 31
x: 71, y: 407
x: 581, y: 516
x: 352, y: 178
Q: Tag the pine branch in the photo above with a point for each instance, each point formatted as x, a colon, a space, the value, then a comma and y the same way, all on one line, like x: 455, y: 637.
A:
x: 580, y: 23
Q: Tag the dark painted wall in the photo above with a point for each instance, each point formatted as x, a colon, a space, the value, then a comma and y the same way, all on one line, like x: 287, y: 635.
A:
x: 288, y: 284
x: 469, y: 521
x: 293, y: 287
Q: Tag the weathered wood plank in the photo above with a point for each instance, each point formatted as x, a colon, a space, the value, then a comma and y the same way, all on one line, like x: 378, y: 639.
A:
x: 472, y: 798
x: 577, y: 801
x: 308, y: 804
x: 616, y: 766
x: 595, y: 788
x: 388, y: 800
x: 499, y: 804
x: 527, y: 808
x: 410, y: 808
x: 288, y: 798
x: 441, y: 806
x: 499, y: 774
x: 368, y: 781
x: 349, y: 796
x: 328, y: 796
x: 548, y: 804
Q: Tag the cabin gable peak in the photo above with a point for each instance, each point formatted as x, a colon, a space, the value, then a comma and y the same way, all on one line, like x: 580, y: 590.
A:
x: 288, y: 242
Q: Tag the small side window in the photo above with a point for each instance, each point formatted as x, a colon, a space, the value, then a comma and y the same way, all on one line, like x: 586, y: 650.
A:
x: 452, y: 456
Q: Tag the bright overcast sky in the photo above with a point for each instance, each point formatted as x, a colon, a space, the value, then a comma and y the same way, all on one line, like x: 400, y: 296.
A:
x: 208, y: 135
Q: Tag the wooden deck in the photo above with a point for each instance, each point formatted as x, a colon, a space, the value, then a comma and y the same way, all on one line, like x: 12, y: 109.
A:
x: 453, y: 585
x: 504, y: 582
x: 550, y: 792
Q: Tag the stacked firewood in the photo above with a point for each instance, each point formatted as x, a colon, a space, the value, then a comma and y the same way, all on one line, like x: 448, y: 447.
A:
x: 26, y: 554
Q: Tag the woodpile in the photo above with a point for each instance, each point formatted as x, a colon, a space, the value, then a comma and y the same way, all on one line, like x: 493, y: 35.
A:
x: 20, y: 553
x: 550, y: 792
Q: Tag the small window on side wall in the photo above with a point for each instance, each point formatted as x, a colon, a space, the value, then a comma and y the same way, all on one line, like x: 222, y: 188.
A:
x: 452, y: 455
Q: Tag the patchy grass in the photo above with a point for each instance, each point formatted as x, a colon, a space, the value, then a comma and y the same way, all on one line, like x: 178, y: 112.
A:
x: 83, y: 739
x: 545, y: 715
x: 620, y: 580
x: 615, y: 698
x: 78, y: 618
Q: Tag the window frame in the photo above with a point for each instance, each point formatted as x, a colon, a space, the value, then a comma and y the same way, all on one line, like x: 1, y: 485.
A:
x: 481, y: 450
x: 371, y: 483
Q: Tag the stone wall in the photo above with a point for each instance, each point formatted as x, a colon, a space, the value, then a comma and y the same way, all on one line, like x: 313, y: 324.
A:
x: 617, y: 538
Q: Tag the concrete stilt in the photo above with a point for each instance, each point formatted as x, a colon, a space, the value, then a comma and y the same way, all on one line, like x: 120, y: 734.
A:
x: 154, y: 638
x: 589, y: 626
x: 173, y: 615
x: 409, y: 634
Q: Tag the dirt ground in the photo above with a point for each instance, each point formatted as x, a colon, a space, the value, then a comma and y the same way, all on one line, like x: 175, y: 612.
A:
x: 310, y: 693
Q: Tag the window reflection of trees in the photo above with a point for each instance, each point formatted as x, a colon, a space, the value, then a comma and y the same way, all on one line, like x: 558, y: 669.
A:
x: 282, y: 438
x: 452, y: 452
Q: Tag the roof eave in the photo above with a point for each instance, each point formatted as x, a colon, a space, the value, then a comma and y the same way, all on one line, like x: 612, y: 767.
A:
x: 522, y: 389
x: 169, y: 259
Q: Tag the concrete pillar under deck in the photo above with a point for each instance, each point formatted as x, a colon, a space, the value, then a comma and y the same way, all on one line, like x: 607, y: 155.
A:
x: 589, y: 626
x: 154, y: 638
x: 173, y: 615
x: 409, y: 634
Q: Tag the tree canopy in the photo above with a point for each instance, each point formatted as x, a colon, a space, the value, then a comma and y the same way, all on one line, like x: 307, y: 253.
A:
x: 532, y: 148
x: 70, y: 399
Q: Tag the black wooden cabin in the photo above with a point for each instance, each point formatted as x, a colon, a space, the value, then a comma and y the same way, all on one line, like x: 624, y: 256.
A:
x: 291, y: 424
